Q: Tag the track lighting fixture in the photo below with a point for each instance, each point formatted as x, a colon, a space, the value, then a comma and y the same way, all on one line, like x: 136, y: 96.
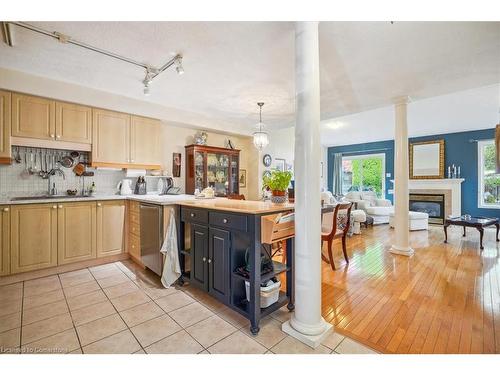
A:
x: 147, y: 81
x: 178, y: 65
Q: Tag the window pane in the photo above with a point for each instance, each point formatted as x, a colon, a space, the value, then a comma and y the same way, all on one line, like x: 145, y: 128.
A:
x: 364, y: 173
x: 491, y: 180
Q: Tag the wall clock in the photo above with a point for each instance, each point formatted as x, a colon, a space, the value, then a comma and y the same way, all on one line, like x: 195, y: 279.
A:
x: 267, y: 160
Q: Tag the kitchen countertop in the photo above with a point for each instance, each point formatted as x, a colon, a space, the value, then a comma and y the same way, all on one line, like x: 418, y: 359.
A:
x: 150, y: 198
x: 247, y: 207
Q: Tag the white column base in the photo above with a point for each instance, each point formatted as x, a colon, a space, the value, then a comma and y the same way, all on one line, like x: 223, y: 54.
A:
x: 310, y: 340
x: 407, y: 251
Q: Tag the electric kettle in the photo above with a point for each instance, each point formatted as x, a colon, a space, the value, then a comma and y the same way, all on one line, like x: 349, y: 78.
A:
x: 125, y: 187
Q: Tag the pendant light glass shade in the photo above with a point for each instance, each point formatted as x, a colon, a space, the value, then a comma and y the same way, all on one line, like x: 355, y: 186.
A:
x: 260, y: 137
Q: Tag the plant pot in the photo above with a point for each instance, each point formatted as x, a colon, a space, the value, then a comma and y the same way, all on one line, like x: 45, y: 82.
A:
x: 279, y: 197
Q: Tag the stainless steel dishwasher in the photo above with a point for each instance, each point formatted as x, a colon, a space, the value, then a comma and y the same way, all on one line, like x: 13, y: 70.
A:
x: 152, y: 236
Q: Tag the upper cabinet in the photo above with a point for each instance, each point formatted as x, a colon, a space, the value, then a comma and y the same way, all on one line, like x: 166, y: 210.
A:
x: 110, y: 138
x: 145, y: 140
x: 123, y: 140
x: 73, y: 123
x: 33, y: 117
x: 5, y: 118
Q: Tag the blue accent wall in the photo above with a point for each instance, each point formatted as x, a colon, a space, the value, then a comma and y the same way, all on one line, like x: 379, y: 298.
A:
x: 458, y: 151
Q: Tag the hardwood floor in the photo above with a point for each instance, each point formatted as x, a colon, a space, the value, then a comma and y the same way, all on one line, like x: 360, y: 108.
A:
x: 443, y: 299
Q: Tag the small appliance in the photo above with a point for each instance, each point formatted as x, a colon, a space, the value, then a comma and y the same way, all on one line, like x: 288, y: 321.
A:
x: 140, y: 186
x: 125, y: 187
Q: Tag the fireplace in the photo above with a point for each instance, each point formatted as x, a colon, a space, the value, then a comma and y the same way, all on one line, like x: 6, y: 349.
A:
x: 432, y: 204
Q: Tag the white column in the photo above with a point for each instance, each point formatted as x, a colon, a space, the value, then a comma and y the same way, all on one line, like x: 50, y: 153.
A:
x: 401, y: 205
x: 306, y: 323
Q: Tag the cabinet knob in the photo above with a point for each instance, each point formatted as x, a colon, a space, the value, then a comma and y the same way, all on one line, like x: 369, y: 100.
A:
x: 99, y: 204
x: 58, y: 136
x: 133, y: 246
x: 192, y: 214
x: 6, y: 209
x: 52, y: 136
x: 54, y: 207
x: 204, y: 259
x: 209, y: 260
x: 60, y: 206
x: 131, y: 160
x: 224, y: 221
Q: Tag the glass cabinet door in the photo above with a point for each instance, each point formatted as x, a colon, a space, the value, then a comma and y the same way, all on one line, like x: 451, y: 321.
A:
x: 199, y: 170
x: 218, y: 173
x: 235, y: 185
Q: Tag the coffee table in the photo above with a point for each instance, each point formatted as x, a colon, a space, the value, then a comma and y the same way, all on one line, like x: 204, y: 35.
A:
x: 474, y: 222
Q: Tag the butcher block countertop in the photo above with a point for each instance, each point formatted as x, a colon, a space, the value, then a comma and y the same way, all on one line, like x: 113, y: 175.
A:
x: 246, y: 207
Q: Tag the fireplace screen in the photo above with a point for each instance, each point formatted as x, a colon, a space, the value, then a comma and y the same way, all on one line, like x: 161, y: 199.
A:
x: 432, y: 204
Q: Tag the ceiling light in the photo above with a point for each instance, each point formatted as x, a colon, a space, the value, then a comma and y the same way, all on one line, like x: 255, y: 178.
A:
x: 260, y: 137
x: 178, y: 65
x: 147, y: 81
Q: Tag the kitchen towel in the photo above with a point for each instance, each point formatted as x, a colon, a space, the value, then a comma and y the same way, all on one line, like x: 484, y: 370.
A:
x: 171, y: 266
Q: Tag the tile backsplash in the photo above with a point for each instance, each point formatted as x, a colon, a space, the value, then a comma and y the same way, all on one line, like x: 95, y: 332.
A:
x: 14, y: 181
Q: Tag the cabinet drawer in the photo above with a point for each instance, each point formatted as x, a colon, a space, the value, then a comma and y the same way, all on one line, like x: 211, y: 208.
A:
x: 134, y: 246
x: 135, y: 217
x: 227, y: 220
x: 134, y: 207
x: 135, y: 229
x: 197, y: 216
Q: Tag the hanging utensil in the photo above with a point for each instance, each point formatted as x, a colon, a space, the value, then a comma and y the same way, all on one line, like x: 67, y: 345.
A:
x: 17, y: 157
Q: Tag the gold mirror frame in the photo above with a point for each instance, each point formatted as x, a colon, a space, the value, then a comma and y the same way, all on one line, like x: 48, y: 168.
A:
x: 441, y: 160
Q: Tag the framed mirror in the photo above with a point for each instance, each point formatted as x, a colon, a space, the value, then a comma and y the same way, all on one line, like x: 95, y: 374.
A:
x: 427, y: 159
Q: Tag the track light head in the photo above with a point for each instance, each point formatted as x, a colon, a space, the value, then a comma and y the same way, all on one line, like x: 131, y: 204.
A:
x: 178, y: 65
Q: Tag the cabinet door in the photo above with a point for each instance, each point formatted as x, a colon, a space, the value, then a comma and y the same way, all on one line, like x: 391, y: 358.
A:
x: 73, y: 123
x: 33, y: 235
x: 33, y: 117
x: 76, y: 231
x: 5, y: 126
x: 145, y: 141
x: 110, y: 228
x: 218, y: 264
x: 110, y: 137
x: 199, y: 255
x: 4, y: 240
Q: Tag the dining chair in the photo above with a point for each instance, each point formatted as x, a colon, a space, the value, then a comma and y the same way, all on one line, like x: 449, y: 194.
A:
x: 336, y: 225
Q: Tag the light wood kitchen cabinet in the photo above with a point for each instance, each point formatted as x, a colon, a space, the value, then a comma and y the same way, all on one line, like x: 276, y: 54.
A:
x: 33, y: 117
x: 110, y: 137
x: 76, y: 231
x: 110, y: 227
x: 73, y: 123
x: 5, y: 124
x: 4, y: 240
x: 145, y: 140
x: 33, y: 236
x: 134, y: 231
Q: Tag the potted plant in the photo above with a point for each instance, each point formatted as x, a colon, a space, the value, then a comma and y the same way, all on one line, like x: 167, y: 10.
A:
x: 278, y: 182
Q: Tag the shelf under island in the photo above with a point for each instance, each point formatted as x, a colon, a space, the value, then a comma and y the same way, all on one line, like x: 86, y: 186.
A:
x: 220, y: 236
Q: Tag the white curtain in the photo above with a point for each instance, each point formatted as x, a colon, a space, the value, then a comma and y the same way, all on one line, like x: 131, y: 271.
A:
x: 337, y: 174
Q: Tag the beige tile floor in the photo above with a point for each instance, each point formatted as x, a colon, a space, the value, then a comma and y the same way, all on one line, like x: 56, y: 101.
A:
x: 120, y: 308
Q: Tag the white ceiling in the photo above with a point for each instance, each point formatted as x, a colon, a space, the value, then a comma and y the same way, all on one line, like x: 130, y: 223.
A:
x: 232, y: 65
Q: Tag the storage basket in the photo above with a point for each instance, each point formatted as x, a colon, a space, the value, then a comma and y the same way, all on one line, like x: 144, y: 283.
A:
x: 268, y: 294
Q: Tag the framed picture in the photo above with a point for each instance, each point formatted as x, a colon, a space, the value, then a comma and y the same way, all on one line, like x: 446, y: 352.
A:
x: 280, y: 164
x: 176, y: 164
x: 243, y: 178
x: 267, y: 160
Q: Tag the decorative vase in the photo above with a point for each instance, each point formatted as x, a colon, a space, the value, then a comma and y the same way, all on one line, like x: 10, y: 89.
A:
x: 278, y: 197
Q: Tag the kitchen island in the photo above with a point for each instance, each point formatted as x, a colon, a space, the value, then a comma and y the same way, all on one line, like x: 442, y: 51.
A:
x: 219, y: 237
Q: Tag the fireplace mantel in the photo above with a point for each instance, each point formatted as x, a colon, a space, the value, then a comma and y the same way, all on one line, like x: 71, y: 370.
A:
x: 447, y: 186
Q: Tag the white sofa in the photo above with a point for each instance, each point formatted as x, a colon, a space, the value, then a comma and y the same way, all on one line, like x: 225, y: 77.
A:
x: 379, y: 209
x: 418, y: 220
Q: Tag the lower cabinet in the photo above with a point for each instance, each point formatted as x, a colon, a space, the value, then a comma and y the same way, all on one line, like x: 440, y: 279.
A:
x: 33, y: 237
x: 76, y: 231
x: 199, y: 256
x: 218, y: 264
x: 110, y: 228
x: 4, y: 240
x: 210, y: 250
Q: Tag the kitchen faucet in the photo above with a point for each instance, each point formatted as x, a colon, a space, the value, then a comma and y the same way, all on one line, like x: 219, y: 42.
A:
x: 53, y: 171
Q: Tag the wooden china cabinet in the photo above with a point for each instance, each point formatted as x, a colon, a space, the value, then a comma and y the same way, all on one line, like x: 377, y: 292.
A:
x: 214, y: 167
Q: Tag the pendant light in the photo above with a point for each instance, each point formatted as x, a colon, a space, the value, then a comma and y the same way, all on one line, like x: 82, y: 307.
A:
x: 260, y: 137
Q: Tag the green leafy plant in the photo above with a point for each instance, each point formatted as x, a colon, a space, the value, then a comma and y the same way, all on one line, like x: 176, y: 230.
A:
x: 278, y: 180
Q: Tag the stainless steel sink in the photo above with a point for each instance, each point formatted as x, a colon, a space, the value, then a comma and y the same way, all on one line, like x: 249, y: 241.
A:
x: 40, y: 197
